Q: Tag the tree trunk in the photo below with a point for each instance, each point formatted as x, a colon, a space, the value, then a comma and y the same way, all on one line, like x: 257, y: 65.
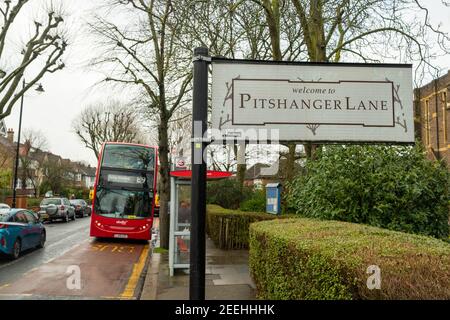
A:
x: 164, y: 182
x: 310, y: 150
x: 239, y: 152
x: 290, y: 164
x: 273, y: 21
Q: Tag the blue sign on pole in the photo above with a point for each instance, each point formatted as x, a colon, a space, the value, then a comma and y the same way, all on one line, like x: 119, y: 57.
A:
x: 273, y: 198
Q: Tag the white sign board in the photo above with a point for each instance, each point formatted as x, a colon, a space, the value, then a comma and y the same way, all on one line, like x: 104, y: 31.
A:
x: 313, y: 102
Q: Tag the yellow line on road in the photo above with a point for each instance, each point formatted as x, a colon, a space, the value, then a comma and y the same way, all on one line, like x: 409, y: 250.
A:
x: 134, y: 278
x: 117, y: 298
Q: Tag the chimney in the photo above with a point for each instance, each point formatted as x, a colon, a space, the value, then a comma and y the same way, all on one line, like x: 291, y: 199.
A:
x: 10, y: 135
x: 27, y: 147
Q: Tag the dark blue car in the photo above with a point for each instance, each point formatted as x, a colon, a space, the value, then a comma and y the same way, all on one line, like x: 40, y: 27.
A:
x: 20, y: 230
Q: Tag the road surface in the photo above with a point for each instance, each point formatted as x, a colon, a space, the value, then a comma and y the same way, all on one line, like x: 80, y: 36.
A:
x: 74, y: 266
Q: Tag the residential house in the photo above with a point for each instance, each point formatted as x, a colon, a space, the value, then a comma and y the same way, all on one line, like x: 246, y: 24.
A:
x: 83, y: 175
x: 37, y: 164
x: 256, y: 176
x: 260, y: 174
x: 7, y: 148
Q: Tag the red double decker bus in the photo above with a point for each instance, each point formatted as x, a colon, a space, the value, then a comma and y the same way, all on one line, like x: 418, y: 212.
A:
x: 124, y: 191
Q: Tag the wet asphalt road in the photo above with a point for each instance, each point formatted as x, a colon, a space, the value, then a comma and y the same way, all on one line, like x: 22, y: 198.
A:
x: 108, y: 269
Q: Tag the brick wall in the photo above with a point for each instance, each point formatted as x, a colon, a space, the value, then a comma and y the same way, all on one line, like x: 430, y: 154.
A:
x: 432, y: 117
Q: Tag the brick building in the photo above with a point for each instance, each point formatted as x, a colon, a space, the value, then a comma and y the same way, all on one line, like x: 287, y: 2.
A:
x: 432, y: 117
x: 260, y: 174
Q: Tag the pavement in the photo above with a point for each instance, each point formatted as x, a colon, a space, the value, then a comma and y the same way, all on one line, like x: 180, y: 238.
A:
x: 227, y: 277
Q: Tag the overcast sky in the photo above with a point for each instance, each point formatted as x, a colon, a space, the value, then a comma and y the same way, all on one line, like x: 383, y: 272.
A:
x: 71, y: 89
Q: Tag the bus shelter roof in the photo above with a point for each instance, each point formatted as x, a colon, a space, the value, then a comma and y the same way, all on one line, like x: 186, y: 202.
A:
x: 210, y: 174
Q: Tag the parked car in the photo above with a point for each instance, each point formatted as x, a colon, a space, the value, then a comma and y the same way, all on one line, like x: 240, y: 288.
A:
x: 56, y: 208
x: 81, y: 207
x: 4, y: 208
x: 20, y: 230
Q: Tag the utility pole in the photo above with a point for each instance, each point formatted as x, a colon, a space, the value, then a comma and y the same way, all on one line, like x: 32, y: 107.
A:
x: 17, y: 149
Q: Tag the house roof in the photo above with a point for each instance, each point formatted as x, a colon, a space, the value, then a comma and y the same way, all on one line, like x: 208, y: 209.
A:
x: 83, y: 169
x: 275, y: 170
x: 90, y: 171
x: 5, y: 142
x: 254, y: 172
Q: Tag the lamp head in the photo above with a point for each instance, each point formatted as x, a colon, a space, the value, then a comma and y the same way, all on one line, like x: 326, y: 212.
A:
x: 40, y: 88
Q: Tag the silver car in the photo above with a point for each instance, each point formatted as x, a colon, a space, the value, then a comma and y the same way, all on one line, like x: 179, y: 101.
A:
x: 56, y: 208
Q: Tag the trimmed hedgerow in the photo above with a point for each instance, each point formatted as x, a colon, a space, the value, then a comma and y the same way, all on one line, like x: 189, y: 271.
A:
x: 307, y: 258
x: 229, y: 228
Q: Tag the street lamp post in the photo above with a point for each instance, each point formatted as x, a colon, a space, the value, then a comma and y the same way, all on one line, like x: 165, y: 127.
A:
x: 39, y: 89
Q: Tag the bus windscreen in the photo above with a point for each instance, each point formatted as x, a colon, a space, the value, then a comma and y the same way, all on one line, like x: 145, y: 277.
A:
x: 128, y: 157
x: 124, y: 204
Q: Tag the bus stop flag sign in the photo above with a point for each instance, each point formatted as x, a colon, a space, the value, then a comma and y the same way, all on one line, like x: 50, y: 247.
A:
x: 317, y: 102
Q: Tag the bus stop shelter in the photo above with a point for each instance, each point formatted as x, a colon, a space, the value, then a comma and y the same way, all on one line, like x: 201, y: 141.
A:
x: 180, y: 216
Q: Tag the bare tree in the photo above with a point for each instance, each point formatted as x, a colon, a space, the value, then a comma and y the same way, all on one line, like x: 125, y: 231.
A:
x: 41, y: 53
x: 229, y: 33
x: 144, y: 54
x: 55, y: 174
x: 110, y: 121
x: 180, y: 127
x: 6, y: 156
x: 361, y: 30
x: 30, y: 159
x: 36, y: 139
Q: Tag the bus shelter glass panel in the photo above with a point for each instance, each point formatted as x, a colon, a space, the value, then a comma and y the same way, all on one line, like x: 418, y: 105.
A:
x: 180, y: 223
x: 184, y: 207
x: 182, y: 245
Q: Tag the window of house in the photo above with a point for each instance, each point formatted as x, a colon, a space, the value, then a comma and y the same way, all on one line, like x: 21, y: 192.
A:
x: 427, y: 123
x: 29, y: 183
x: 258, y: 184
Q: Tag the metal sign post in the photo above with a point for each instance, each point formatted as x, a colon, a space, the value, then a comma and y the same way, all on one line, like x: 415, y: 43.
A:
x: 198, y: 195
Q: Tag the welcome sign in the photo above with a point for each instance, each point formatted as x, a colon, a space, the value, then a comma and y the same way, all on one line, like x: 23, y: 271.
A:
x: 313, y: 102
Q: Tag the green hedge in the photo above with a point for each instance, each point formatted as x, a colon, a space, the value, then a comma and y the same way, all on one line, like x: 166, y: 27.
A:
x: 311, y: 259
x: 34, y: 202
x: 256, y: 203
x: 227, y: 193
x: 229, y: 229
x: 392, y: 187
